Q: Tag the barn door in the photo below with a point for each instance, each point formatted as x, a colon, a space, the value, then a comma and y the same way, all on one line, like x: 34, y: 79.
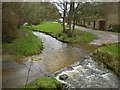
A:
x: 102, y: 25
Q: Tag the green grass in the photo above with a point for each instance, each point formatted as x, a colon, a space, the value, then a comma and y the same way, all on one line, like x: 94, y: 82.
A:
x: 44, y: 83
x: 112, y: 49
x: 24, y: 45
x: 108, y: 56
x: 86, y: 36
x: 47, y: 27
x: 55, y: 29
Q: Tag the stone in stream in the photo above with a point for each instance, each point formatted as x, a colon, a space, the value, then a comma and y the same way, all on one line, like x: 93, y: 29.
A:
x: 70, y: 68
x: 63, y: 77
x: 86, y: 57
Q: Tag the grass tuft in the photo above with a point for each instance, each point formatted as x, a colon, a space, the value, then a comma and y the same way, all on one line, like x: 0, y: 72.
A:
x: 43, y: 82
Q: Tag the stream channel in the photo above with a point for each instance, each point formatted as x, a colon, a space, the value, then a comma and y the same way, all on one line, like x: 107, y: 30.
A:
x: 56, y: 55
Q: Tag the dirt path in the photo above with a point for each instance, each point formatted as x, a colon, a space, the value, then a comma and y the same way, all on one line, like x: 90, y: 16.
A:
x: 101, y: 36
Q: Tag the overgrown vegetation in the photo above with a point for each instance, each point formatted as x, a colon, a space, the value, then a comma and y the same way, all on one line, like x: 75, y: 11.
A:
x: 44, y: 83
x: 15, y: 14
x: 20, y: 43
x: 106, y: 44
x: 55, y: 29
x: 108, y: 57
x: 116, y: 28
x: 24, y: 45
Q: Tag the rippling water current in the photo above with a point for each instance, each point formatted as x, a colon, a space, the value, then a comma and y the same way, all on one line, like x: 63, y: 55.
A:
x: 55, y: 57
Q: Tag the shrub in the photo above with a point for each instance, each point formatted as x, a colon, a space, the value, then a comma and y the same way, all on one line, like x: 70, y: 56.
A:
x: 108, y: 56
x: 106, y: 44
x: 116, y: 28
x: 9, y: 26
x: 107, y: 60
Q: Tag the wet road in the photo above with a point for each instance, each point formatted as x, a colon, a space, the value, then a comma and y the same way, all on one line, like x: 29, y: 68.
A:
x: 101, y: 36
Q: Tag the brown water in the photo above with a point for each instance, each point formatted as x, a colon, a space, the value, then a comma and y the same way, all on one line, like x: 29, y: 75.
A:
x: 55, y: 56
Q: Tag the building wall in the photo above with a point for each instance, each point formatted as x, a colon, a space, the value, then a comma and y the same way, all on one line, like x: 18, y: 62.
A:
x: 111, y: 15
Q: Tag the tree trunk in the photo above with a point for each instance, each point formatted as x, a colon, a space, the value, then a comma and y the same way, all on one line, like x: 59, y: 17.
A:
x: 70, y: 19
x: 64, y: 16
x: 74, y: 17
x: 63, y: 24
x: 73, y: 26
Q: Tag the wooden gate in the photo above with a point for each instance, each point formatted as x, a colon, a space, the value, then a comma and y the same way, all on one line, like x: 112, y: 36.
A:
x: 102, y: 25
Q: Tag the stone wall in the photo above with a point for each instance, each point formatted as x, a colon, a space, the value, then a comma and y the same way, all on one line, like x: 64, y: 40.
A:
x: 111, y: 15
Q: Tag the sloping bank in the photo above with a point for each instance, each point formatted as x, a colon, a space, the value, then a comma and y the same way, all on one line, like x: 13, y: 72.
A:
x: 26, y: 44
x: 108, y: 57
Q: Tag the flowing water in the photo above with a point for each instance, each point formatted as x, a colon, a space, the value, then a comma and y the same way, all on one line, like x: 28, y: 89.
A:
x: 55, y: 56
x: 88, y: 74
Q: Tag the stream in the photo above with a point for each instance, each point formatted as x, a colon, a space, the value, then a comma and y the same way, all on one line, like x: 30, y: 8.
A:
x: 87, y: 74
x: 54, y: 58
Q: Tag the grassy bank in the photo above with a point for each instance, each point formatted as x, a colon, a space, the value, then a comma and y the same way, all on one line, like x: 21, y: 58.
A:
x: 25, y: 44
x: 107, y: 56
x: 55, y: 29
x: 43, y: 83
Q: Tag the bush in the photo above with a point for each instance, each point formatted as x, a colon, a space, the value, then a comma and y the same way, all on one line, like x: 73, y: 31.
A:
x: 108, y: 56
x: 106, y: 44
x: 107, y: 60
x: 9, y: 26
x: 116, y: 28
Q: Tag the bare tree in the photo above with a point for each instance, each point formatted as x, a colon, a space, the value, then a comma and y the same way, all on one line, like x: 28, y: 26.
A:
x: 76, y: 9
x: 62, y: 6
x: 68, y: 10
x: 16, y: 14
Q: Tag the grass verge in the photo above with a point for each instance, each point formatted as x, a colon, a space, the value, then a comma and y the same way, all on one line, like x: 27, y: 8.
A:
x: 44, y: 83
x: 25, y: 44
x: 107, y: 56
x: 55, y: 30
